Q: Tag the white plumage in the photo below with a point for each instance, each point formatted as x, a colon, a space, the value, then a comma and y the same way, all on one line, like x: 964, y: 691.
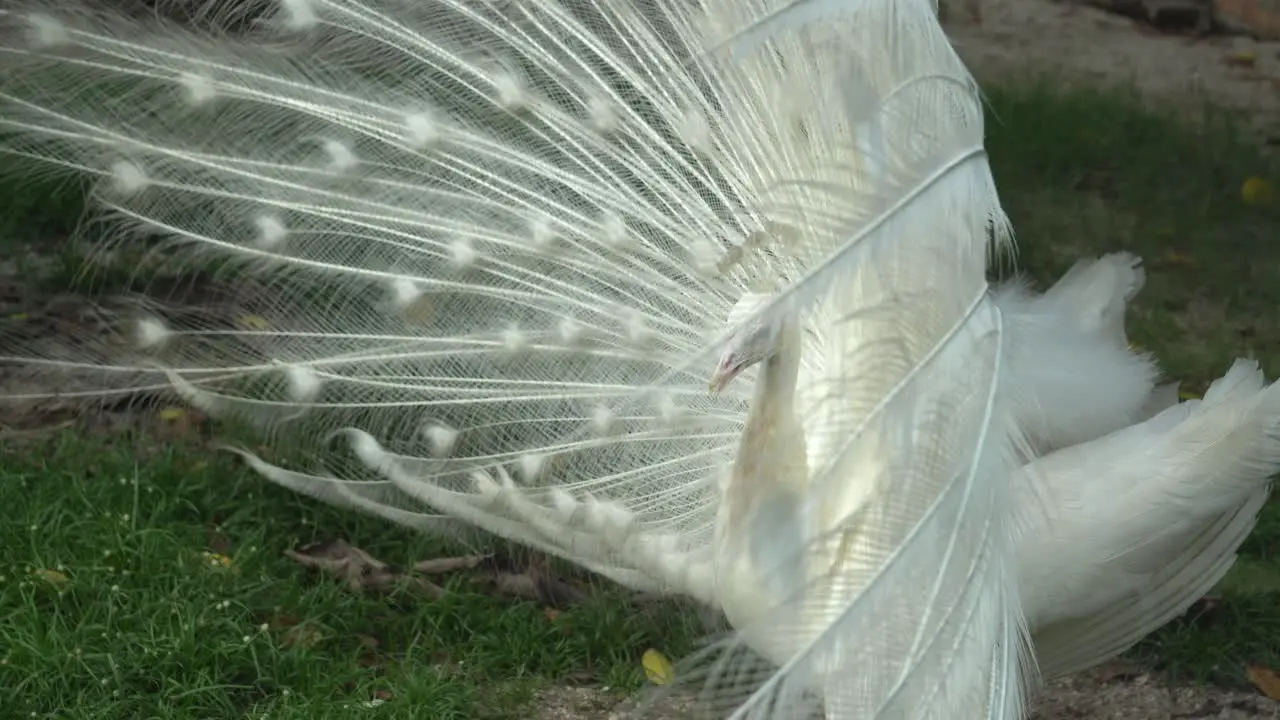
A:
x: 500, y: 249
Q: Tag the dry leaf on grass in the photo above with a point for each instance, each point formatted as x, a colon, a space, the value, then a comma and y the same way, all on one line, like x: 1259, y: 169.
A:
x: 528, y: 580
x: 361, y: 571
x: 1265, y: 679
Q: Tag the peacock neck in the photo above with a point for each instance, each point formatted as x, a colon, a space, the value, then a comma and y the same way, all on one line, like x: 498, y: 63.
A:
x: 761, y: 528
x: 771, y: 451
x: 776, y: 384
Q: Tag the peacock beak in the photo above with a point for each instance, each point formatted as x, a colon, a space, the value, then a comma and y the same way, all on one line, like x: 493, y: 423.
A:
x: 724, y: 374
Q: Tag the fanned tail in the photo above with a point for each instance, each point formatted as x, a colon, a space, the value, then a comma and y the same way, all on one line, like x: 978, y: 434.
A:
x: 494, y: 245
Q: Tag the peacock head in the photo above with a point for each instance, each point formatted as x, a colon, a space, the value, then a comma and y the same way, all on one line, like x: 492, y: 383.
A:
x: 754, y: 343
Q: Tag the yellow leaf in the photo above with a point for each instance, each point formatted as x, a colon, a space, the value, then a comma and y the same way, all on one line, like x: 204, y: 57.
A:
x: 657, y: 667
x: 254, y: 322
x: 1177, y: 259
x: 19, y: 316
x: 1265, y: 679
x: 1256, y: 191
x: 1243, y: 58
x: 172, y: 414
x: 1187, y: 395
x: 53, y: 577
x: 217, y: 559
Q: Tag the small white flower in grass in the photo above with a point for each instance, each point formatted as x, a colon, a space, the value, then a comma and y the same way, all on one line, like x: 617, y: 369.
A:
x: 264, y: 627
x: 246, y: 639
x: 115, y: 588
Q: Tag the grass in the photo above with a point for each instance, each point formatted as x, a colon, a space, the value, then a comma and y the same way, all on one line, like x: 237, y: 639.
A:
x: 137, y: 621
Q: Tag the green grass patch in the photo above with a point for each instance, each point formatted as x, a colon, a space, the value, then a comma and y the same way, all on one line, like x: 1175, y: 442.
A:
x: 145, y: 625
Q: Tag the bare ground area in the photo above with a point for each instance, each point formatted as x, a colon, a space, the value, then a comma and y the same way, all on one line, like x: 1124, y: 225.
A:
x: 1085, y: 44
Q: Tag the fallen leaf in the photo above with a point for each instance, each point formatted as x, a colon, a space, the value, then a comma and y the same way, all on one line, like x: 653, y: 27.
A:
x: 657, y: 667
x: 217, y: 559
x: 254, y: 322
x: 1243, y: 59
x: 1256, y: 191
x: 360, y: 570
x: 303, y: 637
x: 439, y: 566
x: 1188, y: 395
x: 53, y: 577
x: 1265, y: 679
x: 173, y: 414
x: 530, y: 579
x: 1173, y: 258
x: 19, y: 317
x: 551, y: 614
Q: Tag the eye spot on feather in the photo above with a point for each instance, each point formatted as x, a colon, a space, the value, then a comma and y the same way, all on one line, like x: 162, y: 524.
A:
x: 271, y: 231
x: 341, y: 157
x: 152, y: 333
x: 462, y: 254
x: 197, y: 89
x: 420, y: 130
x: 45, y: 31
x: 695, y: 130
x: 514, y: 341
x: 613, y: 229
x: 570, y: 332
x: 670, y: 411
x: 542, y: 235
x: 602, y: 115
x: 637, y: 327
x: 304, y: 383
x: 440, y: 438
x: 531, y: 466
x: 127, y: 178
x: 603, y: 420
x: 299, y: 14
x: 509, y: 91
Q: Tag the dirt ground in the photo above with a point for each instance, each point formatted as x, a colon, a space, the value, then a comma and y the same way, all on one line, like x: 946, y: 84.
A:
x: 1085, y: 44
